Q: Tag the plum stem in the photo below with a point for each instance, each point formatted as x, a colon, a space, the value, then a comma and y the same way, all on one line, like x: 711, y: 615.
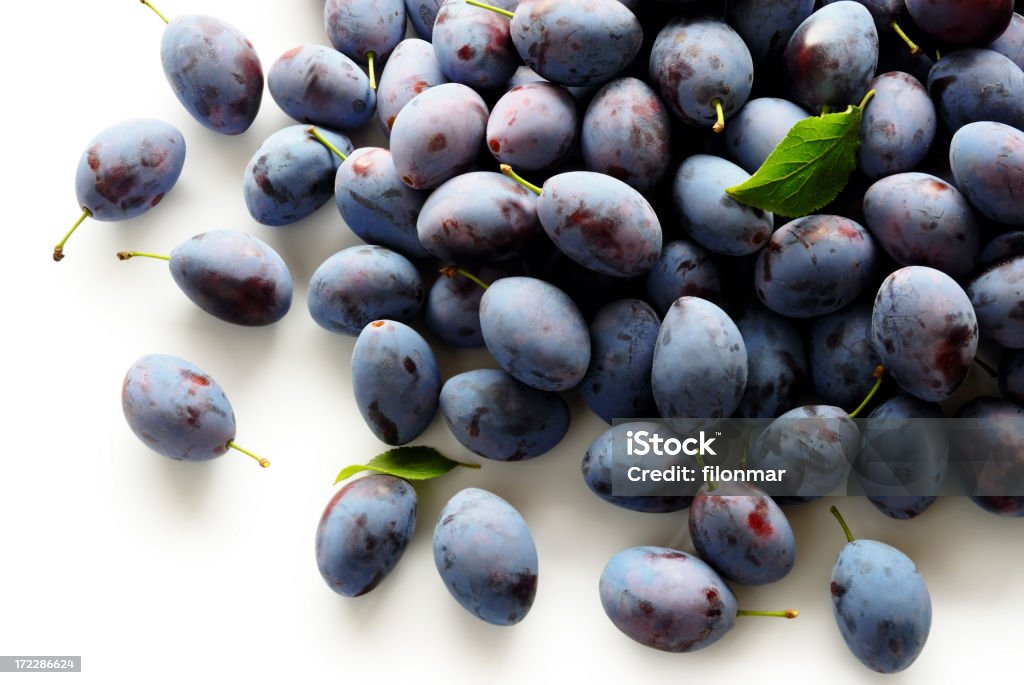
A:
x: 492, y: 8
x: 712, y: 485
x: 720, y: 114
x: 507, y: 170
x: 825, y: 109
x: 867, y: 98
x: 158, y: 12
x: 58, y: 250
x: 788, y: 613
x: 842, y: 522
x: 370, y: 56
x: 260, y: 460
x: 125, y: 256
x: 986, y: 368
x: 879, y: 374
x: 453, y: 271
x: 915, y: 49
x: 326, y: 143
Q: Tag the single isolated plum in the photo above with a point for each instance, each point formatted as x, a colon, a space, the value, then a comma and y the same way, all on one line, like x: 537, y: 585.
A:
x: 898, y: 127
x: 473, y: 46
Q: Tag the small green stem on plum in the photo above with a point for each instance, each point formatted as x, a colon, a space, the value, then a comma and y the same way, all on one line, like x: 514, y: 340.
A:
x: 492, y: 8
x: 158, y: 12
x: 326, y: 143
x: 260, y: 460
x: 879, y: 374
x: 453, y: 271
x: 507, y: 170
x: 700, y: 464
x: 720, y: 116
x: 915, y: 49
x: 867, y: 98
x: 938, y: 55
x: 825, y: 109
x: 125, y: 256
x: 370, y: 56
x: 788, y: 613
x: 58, y: 250
x: 986, y: 368
x: 842, y: 522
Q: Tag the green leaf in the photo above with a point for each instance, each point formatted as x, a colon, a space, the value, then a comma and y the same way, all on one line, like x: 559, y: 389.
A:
x: 411, y: 463
x: 808, y: 169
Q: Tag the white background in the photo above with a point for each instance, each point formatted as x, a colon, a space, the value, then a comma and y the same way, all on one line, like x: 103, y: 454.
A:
x: 146, y: 566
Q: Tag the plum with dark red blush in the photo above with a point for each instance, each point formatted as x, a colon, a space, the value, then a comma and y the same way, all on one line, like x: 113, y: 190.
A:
x: 214, y: 71
x: 314, y: 84
x: 532, y: 126
x: 962, y: 23
x: 474, y: 46
x: 357, y: 27
x: 411, y: 69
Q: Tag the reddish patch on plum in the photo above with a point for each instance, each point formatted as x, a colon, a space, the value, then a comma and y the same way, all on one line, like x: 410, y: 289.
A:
x: 465, y: 53
x: 437, y: 142
x: 195, y: 378
x: 758, y: 522
x: 291, y: 53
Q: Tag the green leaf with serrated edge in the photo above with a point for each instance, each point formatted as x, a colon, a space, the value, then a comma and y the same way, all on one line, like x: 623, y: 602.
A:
x: 411, y: 463
x: 808, y: 169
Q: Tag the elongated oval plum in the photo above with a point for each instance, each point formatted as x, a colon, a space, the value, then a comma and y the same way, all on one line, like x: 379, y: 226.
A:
x: 767, y: 26
x: 997, y: 296
x: 128, y: 168
x: 532, y: 126
x: 176, y: 409
x: 627, y: 134
x: 214, y: 72
x: 497, y: 417
x: 617, y: 384
x: 684, y: 268
x: 478, y: 217
x: 356, y: 27
x: 363, y: 533
x: 438, y: 134
x: 396, y: 381
x: 742, y: 533
x: 758, y: 128
x: 987, y: 159
x: 925, y: 331
x: 666, y: 599
x: 1011, y: 41
x: 452, y: 307
x: 776, y: 363
x: 698, y: 346
x: 291, y: 175
x: 881, y: 605
x: 961, y: 23
x: 361, y: 284
x: 315, y: 84
x: 600, y: 223
x: 898, y: 127
x: 535, y: 332
x: 486, y: 557
x: 375, y: 204
x: 841, y: 355
x: 473, y: 46
x: 815, y: 265
x: 411, y: 69
x: 977, y: 86
x: 991, y: 465
x: 576, y: 42
x: 233, y: 276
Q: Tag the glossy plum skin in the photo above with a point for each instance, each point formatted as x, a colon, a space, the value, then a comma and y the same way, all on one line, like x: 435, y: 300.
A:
x: 767, y: 26
x: 176, y: 409
x: 314, y: 84
x: 831, y: 57
x: 698, y: 346
x: 603, y: 456
x: 997, y: 295
x: 214, y: 72
x: 411, y: 69
x: 360, y: 284
x: 396, y: 381
x: 617, y: 384
x: 474, y: 46
x: 233, y: 276
x: 922, y: 220
x: 486, y: 557
x: 478, y: 218
x: 695, y: 61
x: 742, y: 533
x: 291, y: 175
x: 666, y: 599
x: 842, y: 358
x: 758, y: 128
x: 881, y: 605
x: 1011, y: 376
x: 535, y: 332
x: 375, y: 204
x: 128, y: 168
x: 494, y: 415
x: 776, y: 363
x: 987, y: 159
x: 423, y: 14
x: 363, y: 533
x: 600, y: 223
x: 925, y: 331
x: 898, y: 127
x: 1011, y: 42
x: 712, y: 218
x: 684, y: 268
x: 962, y: 23
x: 437, y: 135
x: 532, y: 126
x: 995, y: 482
x: 626, y: 134
x: 452, y: 308
x: 977, y: 86
x: 815, y: 265
x: 356, y: 27
x: 576, y: 42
